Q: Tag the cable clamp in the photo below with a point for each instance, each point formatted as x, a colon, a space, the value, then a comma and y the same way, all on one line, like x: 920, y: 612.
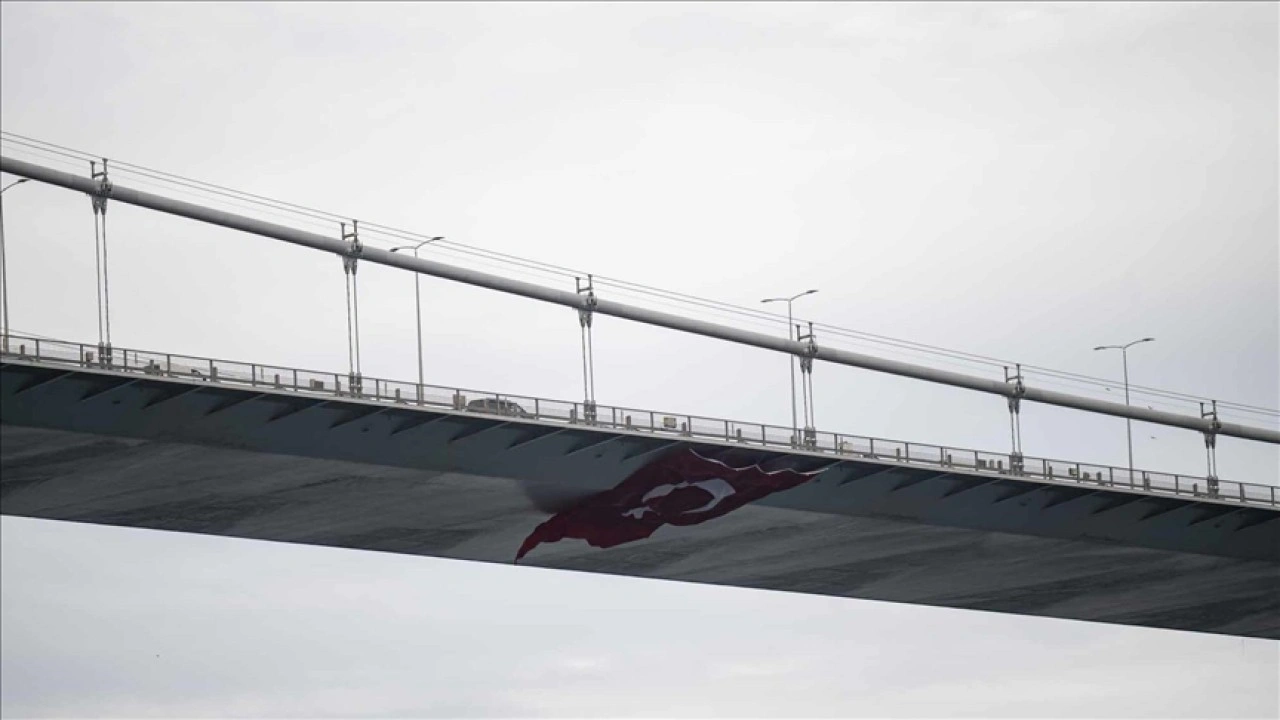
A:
x: 585, y: 312
x: 99, y: 196
x: 810, y: 349
x: 1019, y: 389
x: 354, y: 249
x: 1211, y: 434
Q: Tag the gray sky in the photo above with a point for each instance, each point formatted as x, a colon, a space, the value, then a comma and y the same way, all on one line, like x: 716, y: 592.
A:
x: 1020, y: 180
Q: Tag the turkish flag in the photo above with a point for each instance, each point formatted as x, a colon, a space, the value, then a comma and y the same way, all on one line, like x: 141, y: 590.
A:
x: 683, y: 488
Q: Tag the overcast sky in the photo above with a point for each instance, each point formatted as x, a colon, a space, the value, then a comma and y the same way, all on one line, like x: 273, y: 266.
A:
x: 1024, y: 181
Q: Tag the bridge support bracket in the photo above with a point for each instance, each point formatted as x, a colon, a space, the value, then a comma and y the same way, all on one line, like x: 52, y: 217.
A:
x: 585, y: 315
x: 349, y: 264
x: 1016, y: 464
x: 98, y: 200
x: 810, y: 350
x: 1211, y: 447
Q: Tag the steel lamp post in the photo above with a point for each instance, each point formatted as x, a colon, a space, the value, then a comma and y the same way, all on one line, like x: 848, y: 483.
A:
x: 417, y: 303
x: 789, y: 301
x: 1124, y: 354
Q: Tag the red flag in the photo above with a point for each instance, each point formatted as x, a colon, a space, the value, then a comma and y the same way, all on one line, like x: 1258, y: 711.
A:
x: 683, y: 488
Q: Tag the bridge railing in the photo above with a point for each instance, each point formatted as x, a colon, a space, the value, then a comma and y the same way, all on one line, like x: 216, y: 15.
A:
x: 315, y: 382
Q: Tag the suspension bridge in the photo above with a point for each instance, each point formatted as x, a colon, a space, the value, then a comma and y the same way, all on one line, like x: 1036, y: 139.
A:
x: 152, y: 438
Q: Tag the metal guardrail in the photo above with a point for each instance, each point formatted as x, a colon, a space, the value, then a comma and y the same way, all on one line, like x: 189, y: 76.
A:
x: 230, y: 372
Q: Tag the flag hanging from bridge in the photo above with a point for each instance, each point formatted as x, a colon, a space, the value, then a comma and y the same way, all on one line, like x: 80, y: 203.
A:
x: 683, y: 488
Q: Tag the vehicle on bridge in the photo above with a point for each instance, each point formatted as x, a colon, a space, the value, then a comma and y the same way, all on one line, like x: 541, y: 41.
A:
x: 498, y: 407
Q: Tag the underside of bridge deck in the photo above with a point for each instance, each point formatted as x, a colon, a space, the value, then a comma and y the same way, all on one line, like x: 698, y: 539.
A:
x: 119, y: 449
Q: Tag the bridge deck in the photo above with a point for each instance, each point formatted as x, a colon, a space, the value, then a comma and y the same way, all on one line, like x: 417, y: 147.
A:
x: 314, y: 383
x: 147, y: 450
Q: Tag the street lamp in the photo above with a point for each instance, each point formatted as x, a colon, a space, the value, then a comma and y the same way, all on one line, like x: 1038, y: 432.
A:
x: 4, y: 270
x: 417, y: 302
x: 788, y: 301
x: 1124, y: 353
